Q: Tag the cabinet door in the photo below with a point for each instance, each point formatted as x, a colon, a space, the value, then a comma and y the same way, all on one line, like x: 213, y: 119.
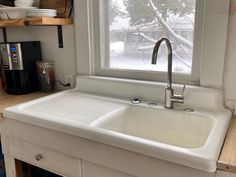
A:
x: 44, y: 158
x: 224, y: 174
x: 94, y: 170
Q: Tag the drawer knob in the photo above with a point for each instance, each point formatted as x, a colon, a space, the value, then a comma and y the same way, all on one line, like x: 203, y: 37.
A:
x: 38, y: 157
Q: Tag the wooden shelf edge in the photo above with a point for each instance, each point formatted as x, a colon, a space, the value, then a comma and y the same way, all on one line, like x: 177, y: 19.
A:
x: 12, y: 23
x: 48, y: 21
x: 36, y: 22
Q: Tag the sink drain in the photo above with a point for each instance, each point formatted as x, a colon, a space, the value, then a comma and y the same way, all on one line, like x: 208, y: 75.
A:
x: 189, y: 110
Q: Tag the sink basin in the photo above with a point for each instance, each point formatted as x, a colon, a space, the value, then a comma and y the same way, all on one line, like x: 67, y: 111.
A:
x: 178, y: 128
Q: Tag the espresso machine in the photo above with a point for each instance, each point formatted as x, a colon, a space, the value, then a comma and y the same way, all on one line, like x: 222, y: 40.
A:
x: 18, y: 65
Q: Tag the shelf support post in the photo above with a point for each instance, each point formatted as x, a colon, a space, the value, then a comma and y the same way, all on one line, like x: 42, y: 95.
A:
x: 4, y: 33
x: 60, y: 36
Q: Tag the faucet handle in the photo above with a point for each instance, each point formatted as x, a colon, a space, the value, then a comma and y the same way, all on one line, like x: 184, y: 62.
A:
x: 178, y: 98
x: 183, y: 90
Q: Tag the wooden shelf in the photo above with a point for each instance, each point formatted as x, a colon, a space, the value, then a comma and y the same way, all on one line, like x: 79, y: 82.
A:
x: 35, y: 22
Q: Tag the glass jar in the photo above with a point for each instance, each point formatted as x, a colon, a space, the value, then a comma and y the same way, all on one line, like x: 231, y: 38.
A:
x: 46, y: 75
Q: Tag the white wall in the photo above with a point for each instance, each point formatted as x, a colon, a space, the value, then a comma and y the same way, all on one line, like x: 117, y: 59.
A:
x: 65, y: 59
x: 230, y: 64
x: 214, y: 43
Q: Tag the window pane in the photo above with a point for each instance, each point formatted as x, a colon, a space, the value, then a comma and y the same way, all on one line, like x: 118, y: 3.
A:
x: 136, y: 25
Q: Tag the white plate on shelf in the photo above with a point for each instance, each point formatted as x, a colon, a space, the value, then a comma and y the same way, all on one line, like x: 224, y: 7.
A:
x: 41, y: 13
x: 43, y: 10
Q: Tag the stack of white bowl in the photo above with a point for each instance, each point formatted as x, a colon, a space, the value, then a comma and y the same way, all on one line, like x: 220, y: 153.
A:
x: 41, y: 13
x: 8, y: 13
x: 23, y: 3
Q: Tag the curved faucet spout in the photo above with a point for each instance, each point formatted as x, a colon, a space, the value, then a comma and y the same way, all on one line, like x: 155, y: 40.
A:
x: 154, y: 58
x: 170, y: 97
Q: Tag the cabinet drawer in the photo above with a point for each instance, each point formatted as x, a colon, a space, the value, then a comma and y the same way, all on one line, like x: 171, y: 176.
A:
x: 44, y: 158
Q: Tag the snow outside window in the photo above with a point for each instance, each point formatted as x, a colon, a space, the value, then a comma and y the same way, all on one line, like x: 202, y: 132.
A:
x: 125, y: 32
x: 136, y: 25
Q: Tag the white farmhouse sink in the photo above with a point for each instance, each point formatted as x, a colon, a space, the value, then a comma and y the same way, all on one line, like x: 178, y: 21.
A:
x: 176, y: 128
x: 99, y: 109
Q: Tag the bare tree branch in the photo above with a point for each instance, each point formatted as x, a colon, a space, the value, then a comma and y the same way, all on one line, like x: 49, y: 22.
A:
x: 174, y: 53
x: 146, y: 37
x: 180, y: 59
x: 177, y: 37
x: 189, y: 20
x: 148, y: 47
x: 189, y: 52
x: 145, y: 25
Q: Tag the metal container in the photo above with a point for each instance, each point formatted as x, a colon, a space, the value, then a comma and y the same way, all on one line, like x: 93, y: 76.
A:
x: 46, y: 75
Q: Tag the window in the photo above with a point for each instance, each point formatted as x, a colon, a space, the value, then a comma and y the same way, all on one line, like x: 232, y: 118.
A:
x: 129, y: 30
x: 136, y: 25
x: 208, y: 54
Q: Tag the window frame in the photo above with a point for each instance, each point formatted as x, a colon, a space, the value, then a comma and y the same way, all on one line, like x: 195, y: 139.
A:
x: 215, y: 15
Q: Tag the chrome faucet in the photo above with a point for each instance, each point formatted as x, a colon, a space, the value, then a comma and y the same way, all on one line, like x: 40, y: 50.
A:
x: 170, y: 97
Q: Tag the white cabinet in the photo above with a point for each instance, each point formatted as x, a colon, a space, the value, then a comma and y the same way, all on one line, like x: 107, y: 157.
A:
x: 224, y: 174
x: 94, y: 170
x: 44, y: 158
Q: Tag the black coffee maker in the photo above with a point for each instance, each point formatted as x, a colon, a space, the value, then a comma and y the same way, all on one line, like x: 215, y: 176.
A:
x: 18, y: 65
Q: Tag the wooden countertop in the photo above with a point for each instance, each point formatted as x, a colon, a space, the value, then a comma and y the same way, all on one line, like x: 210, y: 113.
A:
x: 227, y: 160
x: 7, y: 100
